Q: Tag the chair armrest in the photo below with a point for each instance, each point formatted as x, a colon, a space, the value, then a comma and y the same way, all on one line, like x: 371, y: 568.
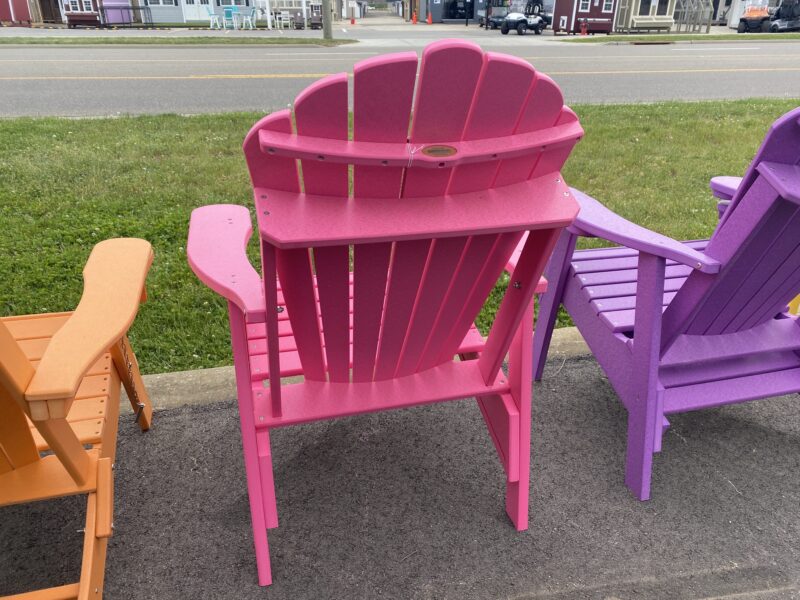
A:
x: 724, y: 187
x: 596, y: 220
x: 217, y: 253
x: 114, y: 279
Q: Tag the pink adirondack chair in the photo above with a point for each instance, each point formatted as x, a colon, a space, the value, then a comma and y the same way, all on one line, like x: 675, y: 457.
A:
x: 430, y: 224
x: 724, y: 335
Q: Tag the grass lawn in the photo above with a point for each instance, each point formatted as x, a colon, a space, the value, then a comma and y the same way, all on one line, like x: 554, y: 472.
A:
x: 85, y: 40
x: 67, y: 184
x: 661, y: 38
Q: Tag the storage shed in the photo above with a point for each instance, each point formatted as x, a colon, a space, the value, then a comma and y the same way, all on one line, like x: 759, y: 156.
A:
x: 568, y: 15
x: 645, y: 15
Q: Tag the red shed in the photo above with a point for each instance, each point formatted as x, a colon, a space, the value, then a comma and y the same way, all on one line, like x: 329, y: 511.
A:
x: 15, y: 11
x: 598, y: 15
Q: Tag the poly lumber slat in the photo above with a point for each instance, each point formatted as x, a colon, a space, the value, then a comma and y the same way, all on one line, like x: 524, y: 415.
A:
x: 44, y: 479
x: 312, y: 401
x: 541, y: 112
x: 472, y: 154
x: 371, y: 269
x: 405, y: 274
x: 300, y: 220
x: 114, y: 279
x: 321, y: 112
x: 617, y: 290
x: 628, y: 275
x: 275, y: 172
x: 492, y: 119
x: 623, y: 303
x: 26, y: 327
x: 294, y: 267
x: 449, y: 72
x: 382, y: 92
x: 476, y: 254
x: 88, y: 431
x: 332, y: 264
x: 622, y: 251
x: 217, y: 253
x: 441, y: 269
x: 740, y: 389
x: 731, y: 368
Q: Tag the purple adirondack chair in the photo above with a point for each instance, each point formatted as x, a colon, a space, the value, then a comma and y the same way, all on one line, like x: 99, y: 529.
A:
x: 429, y: 224
x: 684, y: 326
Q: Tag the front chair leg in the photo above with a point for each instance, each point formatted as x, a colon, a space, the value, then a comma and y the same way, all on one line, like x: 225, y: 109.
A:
x: 556, y: 275
x: 643, y: 409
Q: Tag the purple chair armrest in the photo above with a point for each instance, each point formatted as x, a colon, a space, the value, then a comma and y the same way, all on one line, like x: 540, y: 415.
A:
x: 724, y: 187
x: 596, y: 220
x: 217, y: 253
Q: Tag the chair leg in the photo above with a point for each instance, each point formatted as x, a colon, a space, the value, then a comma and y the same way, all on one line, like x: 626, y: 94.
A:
x: 556, y: 275
x: 519, y: 375
x: 645, y: 408
x: 94, y: 555
x: 250, y: 444
x: 128, y: 369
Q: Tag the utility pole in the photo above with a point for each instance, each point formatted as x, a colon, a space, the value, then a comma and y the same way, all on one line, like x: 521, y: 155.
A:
x: 327, y: 26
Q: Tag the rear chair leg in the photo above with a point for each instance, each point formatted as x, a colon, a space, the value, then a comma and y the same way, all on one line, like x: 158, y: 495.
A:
x: 519, y: 374
x: 128, y: 369
x: 250, y: 446
x: 556, y: 275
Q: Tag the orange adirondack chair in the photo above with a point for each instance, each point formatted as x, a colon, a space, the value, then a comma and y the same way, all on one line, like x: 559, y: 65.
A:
x: 429, y: 225
x: 60, y: 378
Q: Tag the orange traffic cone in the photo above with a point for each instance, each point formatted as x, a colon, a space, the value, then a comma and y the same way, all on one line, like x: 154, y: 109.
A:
x: 429, y: 19
x: 414, y: 18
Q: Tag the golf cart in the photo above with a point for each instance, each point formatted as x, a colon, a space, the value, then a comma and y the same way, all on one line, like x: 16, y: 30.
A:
x: 786, y: 17
x: 533, y: 19
x: 755, y: 16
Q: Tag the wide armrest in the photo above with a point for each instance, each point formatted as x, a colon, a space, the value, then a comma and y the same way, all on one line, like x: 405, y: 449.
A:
x: 724, y: 187
x: 596, y: 220
x: 114, y: 279
x: 217, y: 253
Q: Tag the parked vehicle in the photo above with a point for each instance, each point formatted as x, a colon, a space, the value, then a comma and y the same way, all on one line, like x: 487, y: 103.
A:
x: 756, y: 17
x: 496, y: 17
x: 522, y: 24
x: 786, y: 17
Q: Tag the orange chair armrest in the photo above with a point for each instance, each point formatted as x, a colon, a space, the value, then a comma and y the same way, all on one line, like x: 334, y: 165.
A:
x: 114, y: 279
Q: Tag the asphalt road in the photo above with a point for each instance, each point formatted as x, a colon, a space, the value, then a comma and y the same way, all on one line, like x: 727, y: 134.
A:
x: 94, y: 81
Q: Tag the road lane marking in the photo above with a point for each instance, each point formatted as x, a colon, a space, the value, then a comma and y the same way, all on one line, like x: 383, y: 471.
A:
x: 168, y: 77
x: 318, y: 75
x: 713, y: 49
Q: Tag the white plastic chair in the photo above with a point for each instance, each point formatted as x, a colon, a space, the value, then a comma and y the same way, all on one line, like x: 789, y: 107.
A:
x: 249, y: 19
x: 213, y: 19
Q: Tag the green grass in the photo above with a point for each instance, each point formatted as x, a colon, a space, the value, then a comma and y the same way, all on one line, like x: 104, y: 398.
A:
x: 67, y: 184
x: 697, y: 38
x: 171, y: 41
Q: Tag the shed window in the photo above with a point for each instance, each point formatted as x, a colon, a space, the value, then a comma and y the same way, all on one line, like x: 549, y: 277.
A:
x: 644, y: 8
x: 74, y: 6
x: 87, y: 5
x: 662, y: 7
x: 608, y: 6
x: 584, y: 6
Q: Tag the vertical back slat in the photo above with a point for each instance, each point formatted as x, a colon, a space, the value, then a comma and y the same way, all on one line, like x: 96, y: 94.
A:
x: 552, y: 160
x: 267, y: 171
x: 383, y: 88
x: 333, y: 285
x: 294, y: 269
x: 788, y: 284
x: 449, y: 72
x: 493, y: 115
x: 321, y: 111
x: 370, y: 272
x: 516, y: 300
x: 761, y: 281
x: 407, y: 265
x: 439, y: 272
x: 542, y: 110
x: 479, y: 248
x: 691, y: 311
x: 493, y: 268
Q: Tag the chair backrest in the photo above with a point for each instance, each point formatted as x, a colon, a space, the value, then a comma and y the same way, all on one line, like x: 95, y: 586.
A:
x: 228, y: 12
x: 210, y: 11
x: 17, y: 447
x: 413, y: 299
x: 758, y: 244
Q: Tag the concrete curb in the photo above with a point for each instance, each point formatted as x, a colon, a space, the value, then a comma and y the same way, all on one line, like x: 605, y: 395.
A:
x: 205, y: 386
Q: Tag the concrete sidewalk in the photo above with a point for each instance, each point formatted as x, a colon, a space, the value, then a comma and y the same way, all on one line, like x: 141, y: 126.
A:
x: 409, y: 504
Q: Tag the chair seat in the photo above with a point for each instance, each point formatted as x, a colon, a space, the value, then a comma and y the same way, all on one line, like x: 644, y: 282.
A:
x: 289, y: 357
x: 607, y: 278
x: 87, y: 415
